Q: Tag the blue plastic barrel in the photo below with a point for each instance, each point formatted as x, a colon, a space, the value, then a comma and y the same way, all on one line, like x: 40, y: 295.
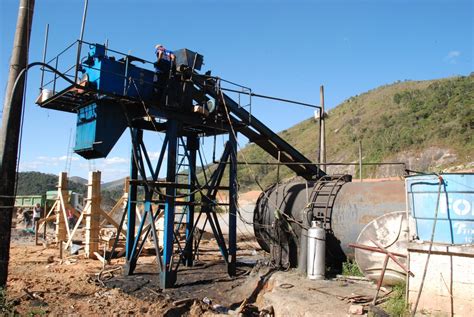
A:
x: 455, y: 217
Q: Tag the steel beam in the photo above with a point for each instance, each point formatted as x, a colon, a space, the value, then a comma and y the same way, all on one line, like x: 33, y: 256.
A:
x: 232, y: 204
x: 167, y: 275
x: 137, y: 136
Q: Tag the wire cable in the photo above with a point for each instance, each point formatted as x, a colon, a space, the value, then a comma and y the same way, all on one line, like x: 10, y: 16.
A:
x: 277, y: 209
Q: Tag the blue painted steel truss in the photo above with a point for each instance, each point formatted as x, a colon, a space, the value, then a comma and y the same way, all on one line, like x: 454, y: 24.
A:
x: 113, y: 94
x: 162, y: 199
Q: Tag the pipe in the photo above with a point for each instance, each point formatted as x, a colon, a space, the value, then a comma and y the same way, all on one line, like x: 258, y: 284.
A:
x: 353, y: 206
x: 322, y: 130
x: 45, y: 48
x: 251, y: 94
x: 81, y: 37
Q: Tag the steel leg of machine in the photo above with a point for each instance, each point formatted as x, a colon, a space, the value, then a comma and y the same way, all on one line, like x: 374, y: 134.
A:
x: 132, y: 260
x: 131, y: 208
x: 167, y: 275
x: 231, y: 268
x: 145, y: 236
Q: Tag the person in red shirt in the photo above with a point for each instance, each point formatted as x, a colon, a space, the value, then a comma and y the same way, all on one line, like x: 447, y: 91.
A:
x: 70, y: 219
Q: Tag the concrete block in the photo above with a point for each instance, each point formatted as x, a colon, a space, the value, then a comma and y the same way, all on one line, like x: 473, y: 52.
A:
x: 449, y: 283
x: 463, y: 291
x: 438, y: 276
x: 463, y: 269
x: 356, y: 310
x: 436, y: 305
x: 462, y: 307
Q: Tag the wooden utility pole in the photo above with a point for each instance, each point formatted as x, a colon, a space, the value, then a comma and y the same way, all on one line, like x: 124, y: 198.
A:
x: 322, y: 130
x: 10, y: 131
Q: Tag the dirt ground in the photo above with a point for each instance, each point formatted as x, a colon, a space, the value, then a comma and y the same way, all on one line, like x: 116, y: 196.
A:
x: 41, y: 283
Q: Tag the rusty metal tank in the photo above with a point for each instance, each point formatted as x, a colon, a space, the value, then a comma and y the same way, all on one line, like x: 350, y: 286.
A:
x: 284, y: 212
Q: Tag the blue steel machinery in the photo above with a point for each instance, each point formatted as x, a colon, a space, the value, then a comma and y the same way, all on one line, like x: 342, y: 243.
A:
x: 118, y: 92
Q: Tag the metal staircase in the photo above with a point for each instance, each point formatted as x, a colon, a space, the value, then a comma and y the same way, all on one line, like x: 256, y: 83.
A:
x: 323, y: 196
x: 182, y: 176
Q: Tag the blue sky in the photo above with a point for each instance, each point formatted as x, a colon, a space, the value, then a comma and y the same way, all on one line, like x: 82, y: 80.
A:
x: 280, y: 48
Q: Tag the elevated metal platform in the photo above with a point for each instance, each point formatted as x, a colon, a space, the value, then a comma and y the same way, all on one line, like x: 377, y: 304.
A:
x: 112, y: 94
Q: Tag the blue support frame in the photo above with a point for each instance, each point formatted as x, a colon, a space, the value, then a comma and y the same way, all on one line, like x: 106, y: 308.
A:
x: 131, y: 208
x: 135, y: 239
x: 120, y: 94
x: 168, y: 275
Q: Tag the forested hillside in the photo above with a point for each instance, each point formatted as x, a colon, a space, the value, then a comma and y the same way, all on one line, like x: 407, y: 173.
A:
x: 36, y: 183
x: 427, y: 124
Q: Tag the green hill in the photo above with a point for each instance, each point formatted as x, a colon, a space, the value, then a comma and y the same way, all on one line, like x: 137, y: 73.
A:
x: 427, y: 124
x: 36, y: 183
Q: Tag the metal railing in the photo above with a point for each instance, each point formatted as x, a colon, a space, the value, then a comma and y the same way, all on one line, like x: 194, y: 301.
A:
x: 65, y: 62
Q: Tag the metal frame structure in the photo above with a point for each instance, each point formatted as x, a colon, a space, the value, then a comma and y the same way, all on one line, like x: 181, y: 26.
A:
x: 183, y: 127
x: 164, y: 195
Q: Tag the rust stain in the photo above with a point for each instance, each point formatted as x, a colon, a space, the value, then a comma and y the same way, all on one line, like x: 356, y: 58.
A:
x: 374, y: 193
x: 366, y: 219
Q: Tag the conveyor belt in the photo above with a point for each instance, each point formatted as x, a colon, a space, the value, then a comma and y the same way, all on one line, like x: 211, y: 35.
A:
x: 269, y: 141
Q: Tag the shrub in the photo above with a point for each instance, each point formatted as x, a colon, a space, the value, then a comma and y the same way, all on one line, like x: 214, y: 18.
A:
x: 350, y: 268
x: 397, y: 305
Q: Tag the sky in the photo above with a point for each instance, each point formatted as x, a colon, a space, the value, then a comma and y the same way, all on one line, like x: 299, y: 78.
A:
x: 285, y: 49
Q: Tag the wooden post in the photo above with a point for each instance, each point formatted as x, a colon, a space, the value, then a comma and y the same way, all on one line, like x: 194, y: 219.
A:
x: 10, y: 128
x: 120, y: 205
x: 36, y: 233
x: 92, y: 215
x: 126, y: 185
x: 61, y: 230
x: 61, y: 249
x: 44, y: 230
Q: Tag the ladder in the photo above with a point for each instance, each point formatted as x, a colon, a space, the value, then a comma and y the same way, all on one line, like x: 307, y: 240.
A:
x: 323, y: 196
x: 182, y: 176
